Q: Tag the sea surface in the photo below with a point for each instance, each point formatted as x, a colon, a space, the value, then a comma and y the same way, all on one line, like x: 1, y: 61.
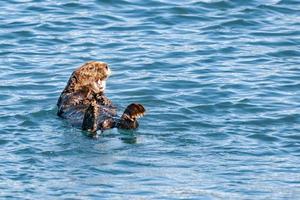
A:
x: 220, y: 80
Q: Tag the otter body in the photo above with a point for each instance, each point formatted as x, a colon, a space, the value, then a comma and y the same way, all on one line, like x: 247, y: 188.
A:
x: 84, y: 104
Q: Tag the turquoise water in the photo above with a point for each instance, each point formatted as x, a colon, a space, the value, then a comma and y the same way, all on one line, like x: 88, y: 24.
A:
x: 219, y: 78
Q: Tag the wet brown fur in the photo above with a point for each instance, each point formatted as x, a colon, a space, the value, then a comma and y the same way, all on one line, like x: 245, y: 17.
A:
x: 84, y: 104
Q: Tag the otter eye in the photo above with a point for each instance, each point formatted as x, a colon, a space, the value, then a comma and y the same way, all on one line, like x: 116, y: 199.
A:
x: 106, y: 67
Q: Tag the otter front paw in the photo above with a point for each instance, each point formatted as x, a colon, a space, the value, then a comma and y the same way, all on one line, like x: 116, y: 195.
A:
x: 90, y: 120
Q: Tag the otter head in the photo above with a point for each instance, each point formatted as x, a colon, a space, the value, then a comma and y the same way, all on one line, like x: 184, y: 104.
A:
x: 91, y: 76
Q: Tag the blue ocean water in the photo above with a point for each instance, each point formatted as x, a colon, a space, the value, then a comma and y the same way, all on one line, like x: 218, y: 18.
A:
x: 219, y: 79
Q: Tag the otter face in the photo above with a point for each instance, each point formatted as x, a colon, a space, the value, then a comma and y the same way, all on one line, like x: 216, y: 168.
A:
x: 91, y: 75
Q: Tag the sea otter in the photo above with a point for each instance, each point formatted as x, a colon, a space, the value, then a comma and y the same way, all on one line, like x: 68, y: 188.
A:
x: 84, y: 104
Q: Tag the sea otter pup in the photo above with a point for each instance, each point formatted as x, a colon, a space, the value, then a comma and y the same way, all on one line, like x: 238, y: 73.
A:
x: 84, y: 104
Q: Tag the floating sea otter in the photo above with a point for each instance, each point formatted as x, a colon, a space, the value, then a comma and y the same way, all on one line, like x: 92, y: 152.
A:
x: 84, y: 104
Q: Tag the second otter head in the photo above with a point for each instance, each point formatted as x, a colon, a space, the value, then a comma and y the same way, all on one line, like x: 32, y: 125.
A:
x: 92, y: 75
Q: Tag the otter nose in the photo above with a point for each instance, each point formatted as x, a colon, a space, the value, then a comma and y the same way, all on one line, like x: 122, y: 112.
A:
x: 108, y: 71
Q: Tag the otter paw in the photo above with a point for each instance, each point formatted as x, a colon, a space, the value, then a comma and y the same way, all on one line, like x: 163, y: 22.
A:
x: 133, y: 111
x: 90, y: 120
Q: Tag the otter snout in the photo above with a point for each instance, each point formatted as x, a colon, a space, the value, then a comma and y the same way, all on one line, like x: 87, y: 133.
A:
x: 103, y: 70
x: 107, y: 71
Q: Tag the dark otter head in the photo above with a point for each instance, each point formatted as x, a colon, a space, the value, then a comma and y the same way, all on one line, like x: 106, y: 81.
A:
x: 92, y: 75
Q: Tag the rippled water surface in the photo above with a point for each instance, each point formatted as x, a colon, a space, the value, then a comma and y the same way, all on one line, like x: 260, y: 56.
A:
x: 220, y: 80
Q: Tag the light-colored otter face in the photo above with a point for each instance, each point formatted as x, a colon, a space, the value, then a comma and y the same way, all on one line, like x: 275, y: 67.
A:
x: 91, y: 75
